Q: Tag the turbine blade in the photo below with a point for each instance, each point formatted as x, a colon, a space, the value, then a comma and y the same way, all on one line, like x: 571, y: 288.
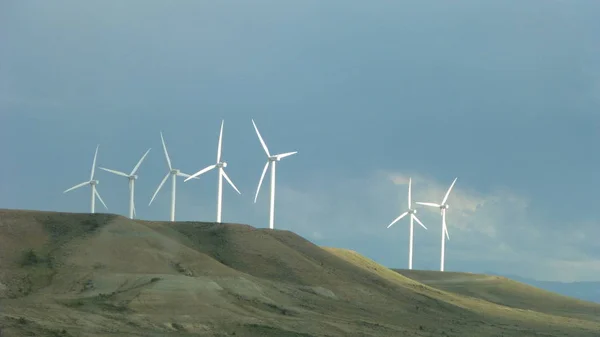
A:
x: 94, y: 163
x: 185, y: 175
x: 397, y: 219
x: 119, y: 173
x: 230, y: 182
x: 409, y: 192
x: 159, y: 187
x: 418, y: 221
x: 204, y: 170
x: 166, y: 153
x: 220, y: 142
x: 448, y: 193
x: 137, y: 166
x: 76, y: 186
x: 428, y: 204
x: 261, y: 140
x: 262, y: 176
x: 100, y: 198
x: 287, y: 154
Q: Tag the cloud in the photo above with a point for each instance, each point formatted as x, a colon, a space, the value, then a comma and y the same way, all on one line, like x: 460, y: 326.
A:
x: 497, y: 229
x: 464, y: 203
x: 573, y: 270
x: 356, y: 202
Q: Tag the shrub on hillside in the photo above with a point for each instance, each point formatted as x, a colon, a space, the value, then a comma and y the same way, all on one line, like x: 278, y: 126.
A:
x: 30, y: 258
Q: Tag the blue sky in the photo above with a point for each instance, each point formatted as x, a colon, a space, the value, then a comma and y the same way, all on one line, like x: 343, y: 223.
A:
x: 504, y: 95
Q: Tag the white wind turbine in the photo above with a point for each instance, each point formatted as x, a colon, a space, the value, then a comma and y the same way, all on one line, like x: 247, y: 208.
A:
x: 173, y: 173
x: 221, y: 173
x: 412, y: 213
x: 132, y: 178
x: 443, y: 206
x: 272, y: 160
x: 92, y: 183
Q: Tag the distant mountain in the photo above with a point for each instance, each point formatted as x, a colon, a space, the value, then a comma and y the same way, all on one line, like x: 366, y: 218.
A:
x: 588, y: 291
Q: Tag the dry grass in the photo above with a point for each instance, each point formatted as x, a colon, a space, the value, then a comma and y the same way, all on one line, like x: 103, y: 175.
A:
x: 506, y: 292
x: 99, y: 275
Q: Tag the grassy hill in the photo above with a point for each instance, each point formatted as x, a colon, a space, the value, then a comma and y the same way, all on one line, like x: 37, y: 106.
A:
x: 506, y: 292
x: 583, y: 290
x: 67, y: 274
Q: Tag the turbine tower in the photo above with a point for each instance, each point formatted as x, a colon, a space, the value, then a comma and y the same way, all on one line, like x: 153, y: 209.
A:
x: 271, y: 160
x: 132, y: 178
x: 443, y: 206
x: 221, y: 165
x: 173, y: 173
x: 92, y: 183
x: 412, y: 213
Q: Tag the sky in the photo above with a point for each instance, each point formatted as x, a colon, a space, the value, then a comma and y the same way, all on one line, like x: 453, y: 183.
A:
x: 504, y: 95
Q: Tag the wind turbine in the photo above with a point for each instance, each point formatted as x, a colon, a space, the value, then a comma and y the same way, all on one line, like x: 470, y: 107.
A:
x: 221, y: 173
x: 412, y: 213
x: 132, y: 178
x: 443, y: 206
x: 272, y: 160
x: 173, y: 173
x: 92, y: 183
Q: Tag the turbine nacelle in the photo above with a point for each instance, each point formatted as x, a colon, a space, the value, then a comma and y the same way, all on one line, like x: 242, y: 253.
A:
x: 133, y: 177
x: 412, y: 211
x: 274, y: 158
x: 94, y: 182
x: 222, y: 164
x: 446, y: 206
x: 175, y: 171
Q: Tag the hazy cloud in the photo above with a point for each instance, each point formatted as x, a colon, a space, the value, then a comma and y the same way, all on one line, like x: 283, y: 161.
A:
x: 498, y: 228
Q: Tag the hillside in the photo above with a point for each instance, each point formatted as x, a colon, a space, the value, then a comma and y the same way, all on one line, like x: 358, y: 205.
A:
x: 583, y: 290
x: 503, y: 291
x: 67, y: 274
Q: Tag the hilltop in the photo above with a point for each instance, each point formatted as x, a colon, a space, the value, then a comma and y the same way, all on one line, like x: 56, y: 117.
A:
x: 65, y: 274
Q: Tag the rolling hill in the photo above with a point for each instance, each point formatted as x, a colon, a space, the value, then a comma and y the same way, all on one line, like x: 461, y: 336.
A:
x: 583, y: 290
x: 506, y: 292
x: 65, y: 274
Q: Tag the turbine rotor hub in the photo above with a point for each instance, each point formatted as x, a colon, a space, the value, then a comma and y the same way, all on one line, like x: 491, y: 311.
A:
x: 412, y: 211
x: 94, y: 182
x: 222, y: 164
x: 274, y: 158
x: 174, y: 171
x: 133, y: 177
